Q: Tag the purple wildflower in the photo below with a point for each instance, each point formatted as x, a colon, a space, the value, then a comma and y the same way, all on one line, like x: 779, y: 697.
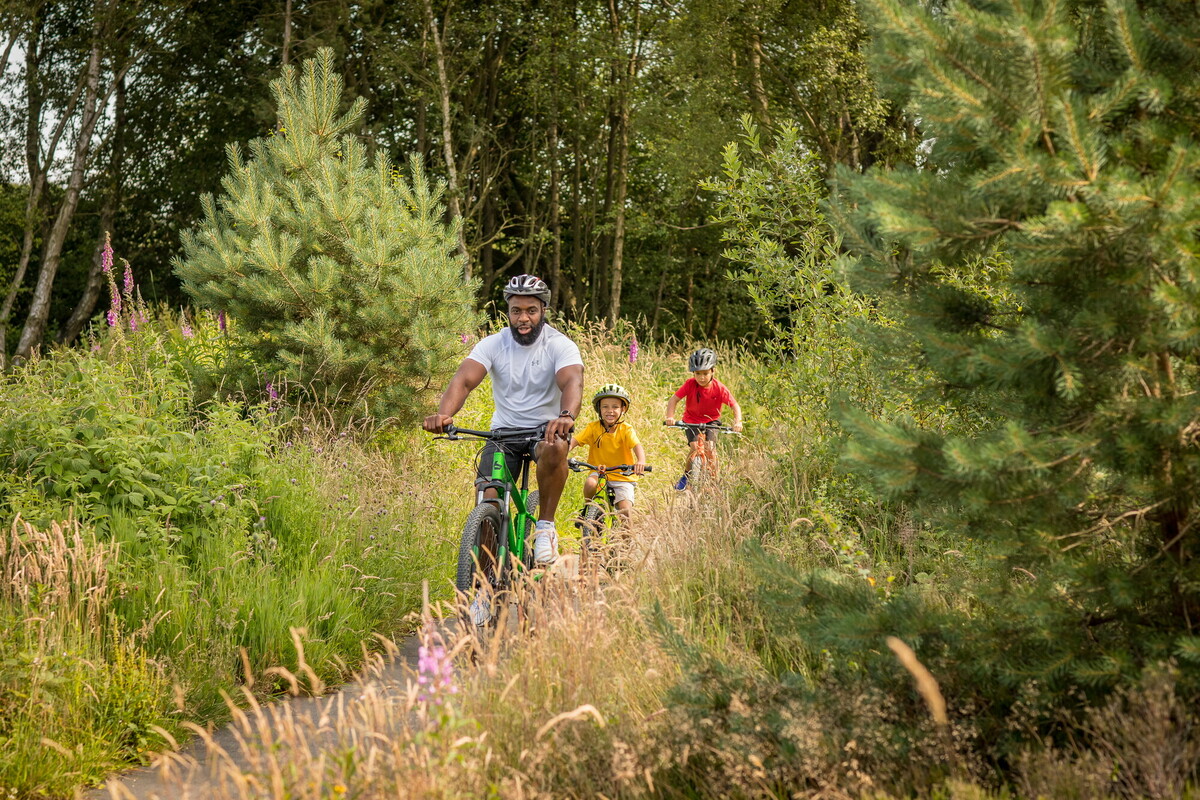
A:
x: 435, y: 673
x: 133, y: 323
x: 271, y: 393
x: 633, y: 350
x: 221, y: 320
x: 106, y: 254
x: 186, y: 330
x: 128, y: 280
x: 112, y: 317
x: 462, y: 337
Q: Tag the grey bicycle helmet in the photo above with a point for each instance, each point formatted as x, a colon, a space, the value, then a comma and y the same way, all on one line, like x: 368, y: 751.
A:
x: 702, y: 359
x: 527, y: 286
x: 610, y: 390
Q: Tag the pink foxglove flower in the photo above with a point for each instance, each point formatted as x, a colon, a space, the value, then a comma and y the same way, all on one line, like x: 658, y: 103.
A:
x: 128, y: 280
x: 186, y: 330
x: 221, y: 320
x: 633, y: 350
x: 106, y: 254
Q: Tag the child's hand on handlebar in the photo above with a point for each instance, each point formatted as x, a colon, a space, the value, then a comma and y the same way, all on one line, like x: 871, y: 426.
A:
x: 669, y: 421
x: 639, y: 468
x: 737, y: 426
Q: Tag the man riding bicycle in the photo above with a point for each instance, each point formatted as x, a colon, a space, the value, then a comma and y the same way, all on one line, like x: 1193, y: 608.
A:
x: 537, y: 379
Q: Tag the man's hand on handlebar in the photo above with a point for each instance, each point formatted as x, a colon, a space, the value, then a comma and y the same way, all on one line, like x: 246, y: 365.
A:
x: 436, y: 423
x: 558, y: 429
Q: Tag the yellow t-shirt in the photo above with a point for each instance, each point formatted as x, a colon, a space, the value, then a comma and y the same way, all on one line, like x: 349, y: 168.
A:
x: 610, y: 448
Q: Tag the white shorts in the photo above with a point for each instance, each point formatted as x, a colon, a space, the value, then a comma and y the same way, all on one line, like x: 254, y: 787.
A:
x: 622, y: 490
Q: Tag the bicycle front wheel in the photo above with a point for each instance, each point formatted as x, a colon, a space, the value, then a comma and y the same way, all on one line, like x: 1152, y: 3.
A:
x: 479, y: 563
x: 696, y: 471
x: 592, y: 524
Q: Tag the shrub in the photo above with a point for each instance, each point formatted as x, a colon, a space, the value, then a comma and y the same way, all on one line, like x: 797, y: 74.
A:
x: 337, y: 268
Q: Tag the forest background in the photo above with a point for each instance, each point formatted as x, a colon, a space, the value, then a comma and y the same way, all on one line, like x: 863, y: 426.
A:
x: 573, y: 136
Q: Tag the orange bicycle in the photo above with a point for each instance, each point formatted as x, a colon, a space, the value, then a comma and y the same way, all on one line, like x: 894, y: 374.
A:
x: 702, y: 460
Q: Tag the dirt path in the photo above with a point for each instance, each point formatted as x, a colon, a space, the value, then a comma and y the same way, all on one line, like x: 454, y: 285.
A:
x: 191, y: 766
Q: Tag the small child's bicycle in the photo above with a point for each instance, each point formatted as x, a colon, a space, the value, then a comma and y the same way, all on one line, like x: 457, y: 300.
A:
x: 599, y: 514
x: 702, y: 463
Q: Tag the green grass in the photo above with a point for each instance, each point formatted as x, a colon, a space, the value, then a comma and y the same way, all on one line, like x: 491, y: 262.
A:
x: 223, y: 527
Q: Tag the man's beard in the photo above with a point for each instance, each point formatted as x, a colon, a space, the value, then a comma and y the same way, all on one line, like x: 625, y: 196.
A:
x: 526, y: 339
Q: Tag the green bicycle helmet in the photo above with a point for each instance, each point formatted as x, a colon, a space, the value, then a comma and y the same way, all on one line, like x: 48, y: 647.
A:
x: 610, y: 390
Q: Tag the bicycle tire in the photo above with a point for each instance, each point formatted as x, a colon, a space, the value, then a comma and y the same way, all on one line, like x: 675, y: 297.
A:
x: 482, y: 535
x: 696, y: 472
x: 593, y: 523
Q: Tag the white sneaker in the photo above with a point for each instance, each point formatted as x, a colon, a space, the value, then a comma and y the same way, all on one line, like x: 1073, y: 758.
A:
x: 545, y: 546
x: 481, y: 609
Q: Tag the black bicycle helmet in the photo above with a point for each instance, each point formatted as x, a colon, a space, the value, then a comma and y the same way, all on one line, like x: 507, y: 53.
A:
x: 527, y: 286
x: 702, y: 359
x: 610, y: 390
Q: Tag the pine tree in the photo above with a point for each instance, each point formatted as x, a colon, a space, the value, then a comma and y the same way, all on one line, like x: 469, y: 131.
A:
x: 1061, y: 146
x: 338, y: 269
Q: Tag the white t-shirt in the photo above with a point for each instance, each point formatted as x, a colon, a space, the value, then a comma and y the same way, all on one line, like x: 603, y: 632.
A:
x: 524, y: 386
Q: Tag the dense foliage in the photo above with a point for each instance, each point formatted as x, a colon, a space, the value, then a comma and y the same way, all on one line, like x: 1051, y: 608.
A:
x: 152, y: 538
x: 337, y: 268
x: 1038, y: 268
x: 572, y: 135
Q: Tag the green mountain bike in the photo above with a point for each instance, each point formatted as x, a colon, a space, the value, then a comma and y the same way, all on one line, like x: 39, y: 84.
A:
x: 497, y: 537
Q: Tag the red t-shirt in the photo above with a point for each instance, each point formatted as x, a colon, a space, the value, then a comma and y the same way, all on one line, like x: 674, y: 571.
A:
x: 703, y: 404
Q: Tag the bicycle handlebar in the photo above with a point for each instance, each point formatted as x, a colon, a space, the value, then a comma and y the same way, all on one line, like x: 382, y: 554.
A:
x: 454, y: 433
x: 702, y: 426
x: 578, y: 466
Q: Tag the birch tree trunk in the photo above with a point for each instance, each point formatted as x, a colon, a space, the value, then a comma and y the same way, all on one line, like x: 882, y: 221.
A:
x: 34, y: 101
x: 621, y: 120
x: 95, y: 281
x: 39, y: 307
x: 453, y: 202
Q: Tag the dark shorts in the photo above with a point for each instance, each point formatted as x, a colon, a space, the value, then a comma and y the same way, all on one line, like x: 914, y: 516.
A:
x: 692, y: 434
x: 515, y: 453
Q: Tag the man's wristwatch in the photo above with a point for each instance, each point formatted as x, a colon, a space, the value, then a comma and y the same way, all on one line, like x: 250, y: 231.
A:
x: 567, y: 414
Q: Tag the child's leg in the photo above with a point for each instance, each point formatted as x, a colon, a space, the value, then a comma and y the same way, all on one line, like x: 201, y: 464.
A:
x: 623, y: 497
x: 589, y: 485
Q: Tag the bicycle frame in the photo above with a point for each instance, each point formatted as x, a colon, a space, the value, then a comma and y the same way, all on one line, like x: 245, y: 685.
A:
x: 576, y: 465
x: 699, y: 448
x: 607, y: 505
x: 509, y: 493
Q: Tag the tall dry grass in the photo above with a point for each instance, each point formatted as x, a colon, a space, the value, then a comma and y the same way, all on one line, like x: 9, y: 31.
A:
x: 60, y: 572
x: 75, y: 694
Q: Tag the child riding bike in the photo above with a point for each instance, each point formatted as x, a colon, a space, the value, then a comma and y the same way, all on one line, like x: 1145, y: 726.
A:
x: 704, y: 396
x: 612, y: 441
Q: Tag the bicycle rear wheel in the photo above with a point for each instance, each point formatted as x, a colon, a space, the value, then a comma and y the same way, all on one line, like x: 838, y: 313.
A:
x: 481, y: 573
